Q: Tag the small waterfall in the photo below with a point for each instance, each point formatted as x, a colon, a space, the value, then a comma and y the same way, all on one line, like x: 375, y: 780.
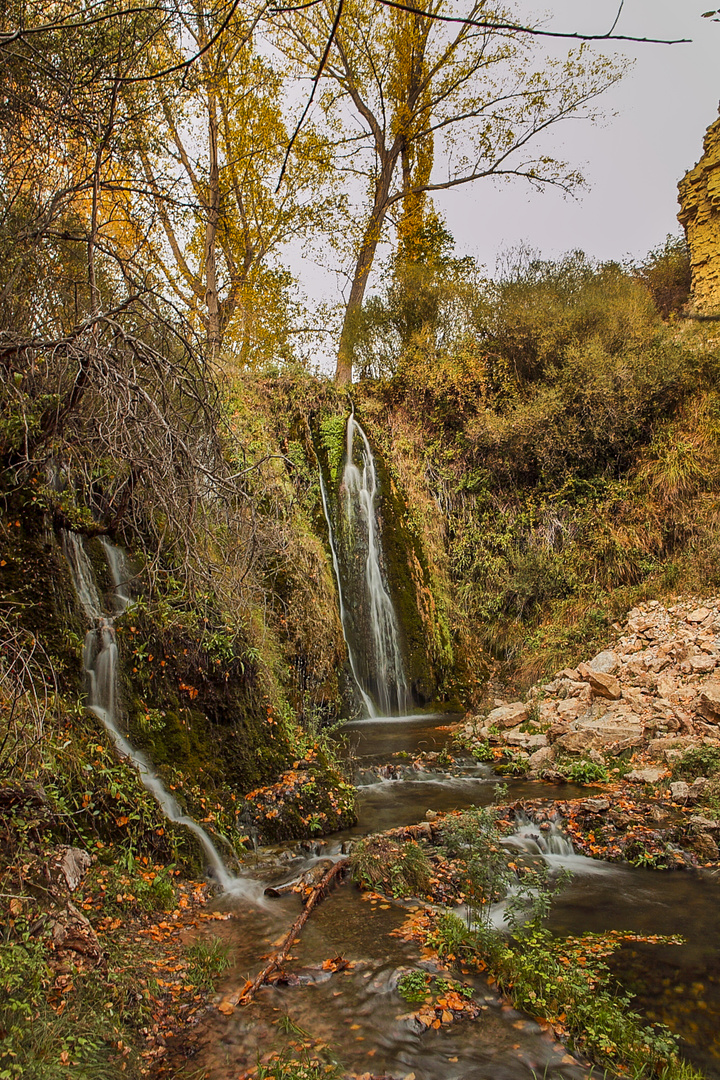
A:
x: 383, y: 675
x: 100, y: 660
x: 529, y: 837
x: 366, y: 699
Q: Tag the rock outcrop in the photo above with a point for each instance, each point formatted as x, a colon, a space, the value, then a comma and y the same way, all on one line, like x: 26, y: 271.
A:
x: 655, y: 694
x: 699, y: 194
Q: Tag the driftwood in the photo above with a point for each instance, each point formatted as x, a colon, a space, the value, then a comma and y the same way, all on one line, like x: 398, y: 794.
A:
x: 245, y: 996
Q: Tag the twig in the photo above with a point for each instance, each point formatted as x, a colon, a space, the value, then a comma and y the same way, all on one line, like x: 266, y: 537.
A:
x: 245, y: 996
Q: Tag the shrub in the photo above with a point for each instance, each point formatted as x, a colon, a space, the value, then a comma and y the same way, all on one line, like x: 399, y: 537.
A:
x: 697, y: 761
x: 393, y: 866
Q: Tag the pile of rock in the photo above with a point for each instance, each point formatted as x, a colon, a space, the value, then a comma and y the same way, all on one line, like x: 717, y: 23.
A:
x: 656, y: 692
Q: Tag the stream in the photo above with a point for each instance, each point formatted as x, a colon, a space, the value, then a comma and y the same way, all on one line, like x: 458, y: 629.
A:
x: 359, y: 1014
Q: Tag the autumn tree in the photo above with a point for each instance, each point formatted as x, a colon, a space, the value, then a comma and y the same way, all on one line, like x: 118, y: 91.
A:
x: 425, y: 105
x: 212, y: 172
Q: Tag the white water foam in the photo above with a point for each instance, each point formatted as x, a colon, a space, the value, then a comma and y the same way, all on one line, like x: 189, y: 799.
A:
x: 100, y: 659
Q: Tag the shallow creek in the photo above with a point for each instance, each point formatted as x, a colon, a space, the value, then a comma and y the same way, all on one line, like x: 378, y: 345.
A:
x: 359, y: 1014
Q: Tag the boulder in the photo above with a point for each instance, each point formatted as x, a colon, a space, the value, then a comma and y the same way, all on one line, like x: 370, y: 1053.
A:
x: 606, y: 686
x: 644, y: 776
x: 508, y: 716
x: 578, y: 742
x: 605, y: 663
x: 541, y: 758
x: 710, y: 700
x: 699, y: 615
x: 596, y: 806
x: 570, y: 709
x: 679, y: 791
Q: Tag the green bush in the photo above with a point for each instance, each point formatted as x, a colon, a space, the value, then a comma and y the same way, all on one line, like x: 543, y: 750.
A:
x: 395, y: 867
x: 697, y: 761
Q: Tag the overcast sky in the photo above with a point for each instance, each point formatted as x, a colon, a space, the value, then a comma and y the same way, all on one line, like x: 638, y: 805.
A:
x: 655, y: 120
x: 632, y: 162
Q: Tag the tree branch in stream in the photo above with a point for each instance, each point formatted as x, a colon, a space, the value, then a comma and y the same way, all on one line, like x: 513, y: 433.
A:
x: 245, y: 996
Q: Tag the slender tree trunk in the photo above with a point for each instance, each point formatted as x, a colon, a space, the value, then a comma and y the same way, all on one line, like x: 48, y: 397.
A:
x: 363, y: 266
x: 214, y: 332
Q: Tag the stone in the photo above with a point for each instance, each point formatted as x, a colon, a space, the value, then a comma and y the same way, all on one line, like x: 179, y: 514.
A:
x: 431, y: 815
x: 644, y: 776
x: 606, y: 662
x: 666, y: 686
x: 699, y: 615
x: 570, y: 709
x: 606, y: 686
x: 705, y: 847
x: 707, y: 824
x: 72, y: 930
x: 541, y: 758
x: 679, y: 791
x: 508, y: 716
x: 596, y: 805
x: 577, y: 742
x: 527, y: 740
x: 74, y: 865
x: 640, y: 624
x: 710, y: 699
x: 697, y: 788
x: 702, y: 663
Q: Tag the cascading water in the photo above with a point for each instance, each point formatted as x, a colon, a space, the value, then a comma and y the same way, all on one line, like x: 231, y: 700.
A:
x: 366, y: 699
x: 371, y: 628
x: 100, y: 659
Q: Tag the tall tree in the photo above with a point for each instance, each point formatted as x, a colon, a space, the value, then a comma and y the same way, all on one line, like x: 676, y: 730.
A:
x: 410, y: 91
x: 212, y: 176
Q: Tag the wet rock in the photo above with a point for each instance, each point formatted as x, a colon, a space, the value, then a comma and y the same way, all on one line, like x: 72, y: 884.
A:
x: 644, y: 776
x: 508, y: 716
x: 704, y: 846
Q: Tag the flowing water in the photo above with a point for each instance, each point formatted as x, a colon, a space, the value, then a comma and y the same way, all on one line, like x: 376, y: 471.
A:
x: 369, y: 622
x: 360, y: 1014
x: 100, y: 659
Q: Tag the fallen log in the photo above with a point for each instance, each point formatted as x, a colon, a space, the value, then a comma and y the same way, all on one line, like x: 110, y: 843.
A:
x: 245, y: 996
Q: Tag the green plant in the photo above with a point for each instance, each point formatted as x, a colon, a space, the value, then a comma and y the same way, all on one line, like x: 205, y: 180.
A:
x: 583, y: 771
x: 206, y: 961
x: 697, y: 761
x: 395, y: 867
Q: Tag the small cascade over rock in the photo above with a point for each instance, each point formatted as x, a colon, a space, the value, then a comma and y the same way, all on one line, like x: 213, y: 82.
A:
x: 370, y: 625
x: 100, y: 659
x: 529, y: 837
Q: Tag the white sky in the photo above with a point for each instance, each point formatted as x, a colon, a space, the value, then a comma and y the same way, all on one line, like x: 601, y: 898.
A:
x: 632, y: 162
x: 655, y: 120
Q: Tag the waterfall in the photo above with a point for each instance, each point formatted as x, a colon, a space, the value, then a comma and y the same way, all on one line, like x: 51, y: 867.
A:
x: 368, y: 619
x: 100, y: 660
x: 366, y: 699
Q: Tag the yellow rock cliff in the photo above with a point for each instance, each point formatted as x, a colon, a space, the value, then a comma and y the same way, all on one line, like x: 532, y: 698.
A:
x: 699, y: 194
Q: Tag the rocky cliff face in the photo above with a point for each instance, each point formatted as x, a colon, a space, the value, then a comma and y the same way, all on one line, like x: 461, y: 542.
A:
x: 699, y: 194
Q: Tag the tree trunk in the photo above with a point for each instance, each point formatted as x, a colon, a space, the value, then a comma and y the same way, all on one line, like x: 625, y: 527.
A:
x: 363, y: 266
x: 214, y: 334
